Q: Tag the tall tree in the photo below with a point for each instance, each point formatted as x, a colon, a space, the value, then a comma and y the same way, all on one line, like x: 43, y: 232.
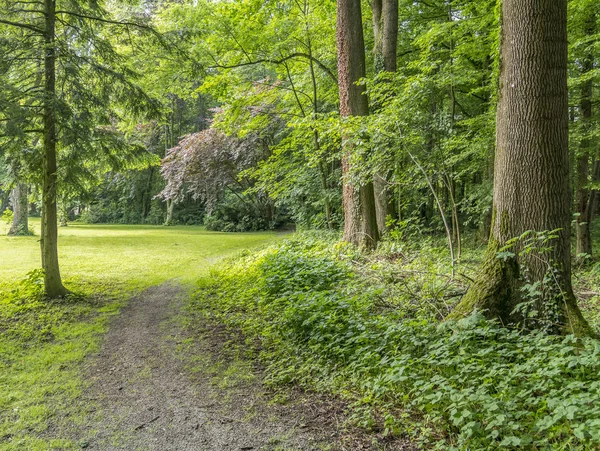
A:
x: 360, y: 221
x: 64, y: 77
x: 49, y: 239
x: 385, y: 37
x: 531, y: 178
x: 583, y: 26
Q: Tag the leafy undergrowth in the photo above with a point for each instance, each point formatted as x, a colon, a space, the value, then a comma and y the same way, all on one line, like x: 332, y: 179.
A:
x: 586, y: 283
x: 42, y: 344
x: 322, y: 316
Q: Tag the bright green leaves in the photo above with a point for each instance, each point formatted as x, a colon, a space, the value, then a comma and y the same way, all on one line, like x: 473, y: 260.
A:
x: 478, y: 385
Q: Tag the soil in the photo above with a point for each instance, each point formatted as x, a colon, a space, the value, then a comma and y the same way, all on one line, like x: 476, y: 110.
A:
x: 158, y: 384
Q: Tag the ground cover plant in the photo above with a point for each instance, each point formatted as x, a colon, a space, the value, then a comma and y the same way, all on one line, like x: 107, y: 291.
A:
x: 448, y: 147
x: 323, y: 315
x: 43, y: 342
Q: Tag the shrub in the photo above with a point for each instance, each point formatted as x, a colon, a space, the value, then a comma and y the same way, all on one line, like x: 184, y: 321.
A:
x: 312, y: 318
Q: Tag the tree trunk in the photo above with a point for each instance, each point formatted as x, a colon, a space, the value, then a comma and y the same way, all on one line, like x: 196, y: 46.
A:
x: 385, y: 32
x: 377, y: 10
x: 170, y: 207
x: 360, y: 221
x: 49, y: 236
x: 531, y: 176
x: 20, y: 201
x: 389, y: 39
x: 4, y: 200
x: 583, y: 199
x: 595, y: 194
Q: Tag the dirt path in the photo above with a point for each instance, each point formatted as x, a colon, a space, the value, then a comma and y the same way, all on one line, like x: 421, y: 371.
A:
x: 145, y: 398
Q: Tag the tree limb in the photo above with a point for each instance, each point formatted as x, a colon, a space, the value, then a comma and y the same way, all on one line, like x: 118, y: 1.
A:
x: 22, y: 25
x: 280, y: 61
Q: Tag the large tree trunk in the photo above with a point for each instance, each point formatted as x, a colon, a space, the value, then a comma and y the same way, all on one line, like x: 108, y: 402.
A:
x: 360, y: 222
x: 531, y: 177
x: 385, y: 33
x: 49, y: 236
x: 20, y: 201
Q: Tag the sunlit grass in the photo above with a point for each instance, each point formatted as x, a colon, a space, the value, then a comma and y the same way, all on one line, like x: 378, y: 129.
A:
x: 43, y: 343
x: 137, y: 256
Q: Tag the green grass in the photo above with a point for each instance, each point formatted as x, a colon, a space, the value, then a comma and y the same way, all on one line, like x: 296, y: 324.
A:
x: 138, y: 256
x: 43, y: 343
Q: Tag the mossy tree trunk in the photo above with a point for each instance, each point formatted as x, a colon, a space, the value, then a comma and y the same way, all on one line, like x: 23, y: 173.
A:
x: 360, y: 221
x: 20, y: 202
x: 531, y: 175
x: 49, y: 236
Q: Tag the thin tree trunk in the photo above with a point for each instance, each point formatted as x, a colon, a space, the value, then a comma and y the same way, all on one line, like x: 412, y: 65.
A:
x: 531, y: 178
x: 4, y: 200
x: 170, y: 207
x: 20, y: 200
x: 451, y: 186
x: 315, y: 107
x: 147, y: 196
x: 377, y: 11
x: 583, y: 199
x: 360, y: 221
x: 595, y: 194
x: 49, y: 236
x: 389, y: 40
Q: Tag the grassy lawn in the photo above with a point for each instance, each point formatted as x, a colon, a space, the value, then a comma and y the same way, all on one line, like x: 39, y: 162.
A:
x: 42, y: 344
x: 138, y: 256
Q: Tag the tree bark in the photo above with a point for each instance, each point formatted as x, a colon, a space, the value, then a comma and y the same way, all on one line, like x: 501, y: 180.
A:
x: 377, y: 11
x: 385, y: 33
x: 389, y: 39
x: 49, y: 236
x: 360, y: 221
x: 170, y: 207
x: 531, y: 176
x: 20, y: 201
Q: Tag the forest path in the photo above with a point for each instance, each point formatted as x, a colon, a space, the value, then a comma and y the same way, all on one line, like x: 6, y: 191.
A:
x: 143, y: 396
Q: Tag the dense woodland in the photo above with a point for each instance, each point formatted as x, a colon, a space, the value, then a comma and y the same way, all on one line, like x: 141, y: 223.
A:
x: 460, y: 135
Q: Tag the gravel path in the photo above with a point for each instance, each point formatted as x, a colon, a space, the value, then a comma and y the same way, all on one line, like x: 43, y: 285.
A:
x: 144, y: 398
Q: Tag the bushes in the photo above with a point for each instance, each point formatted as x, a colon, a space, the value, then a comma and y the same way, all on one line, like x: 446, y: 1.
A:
x: 312, y: 318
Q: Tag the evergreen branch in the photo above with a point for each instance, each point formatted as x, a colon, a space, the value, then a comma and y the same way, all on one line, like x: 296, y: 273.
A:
x: 110, y: 21
x: 160, y: 37
x: 22, y: 25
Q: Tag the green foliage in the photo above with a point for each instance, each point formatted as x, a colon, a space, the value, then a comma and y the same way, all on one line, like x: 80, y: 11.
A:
x: 233, y: 215
x: 311, y: 311
x: 7, y: 216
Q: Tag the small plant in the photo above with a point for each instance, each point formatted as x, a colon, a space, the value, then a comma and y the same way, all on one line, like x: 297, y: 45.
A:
x: 541, y: 299
x: 7, y: 216
x: 30, y: 290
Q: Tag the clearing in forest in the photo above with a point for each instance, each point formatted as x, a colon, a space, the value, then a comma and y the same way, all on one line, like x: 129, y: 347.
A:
x: 44, y: 345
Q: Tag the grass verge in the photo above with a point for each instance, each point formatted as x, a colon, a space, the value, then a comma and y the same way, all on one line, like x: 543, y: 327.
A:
x: 43, y: 343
